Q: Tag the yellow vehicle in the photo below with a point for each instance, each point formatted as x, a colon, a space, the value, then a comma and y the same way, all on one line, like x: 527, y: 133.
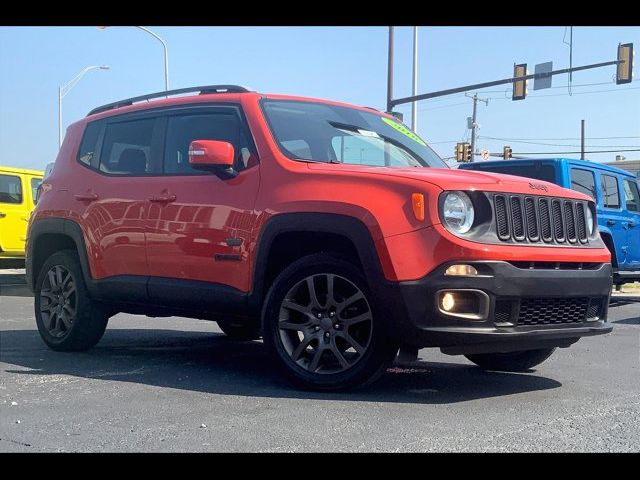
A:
x: 18, y: 187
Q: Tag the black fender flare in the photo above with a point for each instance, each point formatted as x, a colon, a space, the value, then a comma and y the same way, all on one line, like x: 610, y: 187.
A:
x: 58, y: 226
x: 350, y: 227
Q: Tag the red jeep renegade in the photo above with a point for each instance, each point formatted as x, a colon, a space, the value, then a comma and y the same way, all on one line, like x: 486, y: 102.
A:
x: 331, y: 230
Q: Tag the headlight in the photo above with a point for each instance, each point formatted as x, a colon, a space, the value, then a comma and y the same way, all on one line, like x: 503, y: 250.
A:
x: 458, y: 212
x: 590, y: 223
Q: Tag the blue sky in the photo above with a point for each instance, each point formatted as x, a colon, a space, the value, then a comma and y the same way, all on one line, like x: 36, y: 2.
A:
x: 341, y: 63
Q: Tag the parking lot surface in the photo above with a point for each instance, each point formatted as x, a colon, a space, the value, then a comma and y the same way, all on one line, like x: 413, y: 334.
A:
x: 174, y: 384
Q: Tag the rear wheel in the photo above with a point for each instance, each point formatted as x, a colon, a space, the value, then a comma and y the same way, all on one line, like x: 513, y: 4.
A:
x: 322, y: 324
x: 67, y: 318
x: 511, y: 361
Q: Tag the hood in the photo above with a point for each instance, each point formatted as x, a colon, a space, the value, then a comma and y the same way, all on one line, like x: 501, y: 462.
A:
x: 454, y: 179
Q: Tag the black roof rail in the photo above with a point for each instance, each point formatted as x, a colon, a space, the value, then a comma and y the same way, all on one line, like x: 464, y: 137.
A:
x: 205, y: 89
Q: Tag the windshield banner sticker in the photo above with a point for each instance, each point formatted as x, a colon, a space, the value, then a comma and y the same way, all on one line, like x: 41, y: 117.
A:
x: 402, y: 129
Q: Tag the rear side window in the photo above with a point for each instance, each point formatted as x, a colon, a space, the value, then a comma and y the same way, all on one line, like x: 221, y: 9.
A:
x: 184, y: 129
x: 10, y: 189
x: 583, y: 181
x: 610, y: 193
x: 631, y: 196
x: 89, y: 145
x: 126, y: 147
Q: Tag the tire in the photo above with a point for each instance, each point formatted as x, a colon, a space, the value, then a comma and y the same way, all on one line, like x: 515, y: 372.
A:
x: 239, y: 331
x: 321, y: 342
x: 512, y: 361
x: 77, y: 324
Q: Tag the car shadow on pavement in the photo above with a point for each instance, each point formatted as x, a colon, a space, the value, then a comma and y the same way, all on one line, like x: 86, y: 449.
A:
x: 14, y: 285
x: 621, y: 301
x: 212, y: 363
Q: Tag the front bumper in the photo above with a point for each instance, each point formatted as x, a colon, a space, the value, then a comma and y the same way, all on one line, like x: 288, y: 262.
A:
x: 527, y: 308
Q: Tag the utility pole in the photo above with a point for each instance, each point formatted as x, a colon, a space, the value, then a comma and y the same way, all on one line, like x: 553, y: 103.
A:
x: 414, y: 105
x: 474, y: 124
x: 390, y: 71
x: 581, y: 139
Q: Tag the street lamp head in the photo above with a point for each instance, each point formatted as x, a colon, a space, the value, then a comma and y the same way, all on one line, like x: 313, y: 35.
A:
x: 104, y: 67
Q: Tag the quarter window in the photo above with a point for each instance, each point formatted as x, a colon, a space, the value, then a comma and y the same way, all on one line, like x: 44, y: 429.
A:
x: 583, y: 181
x: 10, y: 189
x: 610, y: 193
x: 89, y: 144
x: 127, y: 147
x: 631, y: 196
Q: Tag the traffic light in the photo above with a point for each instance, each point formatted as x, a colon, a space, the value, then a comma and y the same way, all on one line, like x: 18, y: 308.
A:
x: 506, y: 152
x: 519, y: 86
x: 624, y: 72
x: 463, y: 152
x: 467, y: 152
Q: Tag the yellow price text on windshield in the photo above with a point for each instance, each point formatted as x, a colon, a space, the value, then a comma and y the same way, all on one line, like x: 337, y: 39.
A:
x: 404, y: 130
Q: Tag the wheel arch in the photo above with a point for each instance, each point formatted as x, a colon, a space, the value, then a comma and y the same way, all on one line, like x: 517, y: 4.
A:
x: 607, y: 238
x: 280, y: 232
x: 49, y: 235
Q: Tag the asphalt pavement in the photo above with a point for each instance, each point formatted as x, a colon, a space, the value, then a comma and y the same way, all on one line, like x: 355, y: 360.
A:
x: 175, y: 384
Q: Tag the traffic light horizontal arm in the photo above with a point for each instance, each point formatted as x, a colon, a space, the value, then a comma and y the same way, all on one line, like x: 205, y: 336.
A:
x: 450, y: 91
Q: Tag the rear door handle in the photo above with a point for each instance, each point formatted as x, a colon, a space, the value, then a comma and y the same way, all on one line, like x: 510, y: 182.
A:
x: 162, y: 198
x: 87, y: 197
x: 611, y: 222
x: 632, y: 224
x: 2, y: 214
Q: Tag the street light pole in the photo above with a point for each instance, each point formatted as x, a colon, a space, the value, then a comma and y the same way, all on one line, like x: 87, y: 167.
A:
x: 165, y: 50
x: 64, y: 90
x: 414, y: 90
x: 166, y: 56
x: 390, y: 71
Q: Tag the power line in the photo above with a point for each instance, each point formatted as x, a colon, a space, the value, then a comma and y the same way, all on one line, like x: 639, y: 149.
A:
x: 564, y: 153
x: 560, y: 138
x: 556, y: 144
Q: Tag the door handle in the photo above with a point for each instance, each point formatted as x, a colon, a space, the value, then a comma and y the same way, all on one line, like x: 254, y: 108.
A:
x: 2, y: 214
x: 631, y: 224
x: 162, y: 198
x: 611, y: 223
x: 86, y: 197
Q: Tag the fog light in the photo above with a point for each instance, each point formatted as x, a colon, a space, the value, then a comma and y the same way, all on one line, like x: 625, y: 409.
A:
x: 461, y: 270
x: 448, y: 302
x: 467, y: 303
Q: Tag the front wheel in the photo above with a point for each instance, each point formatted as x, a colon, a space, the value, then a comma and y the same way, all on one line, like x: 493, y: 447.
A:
x: 323, y: 325
x: 511, y: 361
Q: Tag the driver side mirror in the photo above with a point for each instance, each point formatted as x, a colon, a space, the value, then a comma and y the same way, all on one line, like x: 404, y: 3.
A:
x: 213, y: 156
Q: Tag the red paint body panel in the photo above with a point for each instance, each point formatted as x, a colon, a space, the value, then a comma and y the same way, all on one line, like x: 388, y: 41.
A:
x: 183, y: 237
x: 127, y: 234
x: 432, y: 246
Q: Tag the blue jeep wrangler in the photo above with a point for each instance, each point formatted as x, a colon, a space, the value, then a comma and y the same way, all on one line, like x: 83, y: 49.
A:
x: 614, y: 190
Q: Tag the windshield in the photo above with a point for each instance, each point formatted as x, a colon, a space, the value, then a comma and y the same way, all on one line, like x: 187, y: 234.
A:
x: 318, y: 132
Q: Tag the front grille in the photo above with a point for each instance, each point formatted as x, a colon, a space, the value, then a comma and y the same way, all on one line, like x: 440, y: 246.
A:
x: 547, y: 311
x: 526, y: 219
x: 502, y: 312
x: 556, y: 265
x: 595, y: 310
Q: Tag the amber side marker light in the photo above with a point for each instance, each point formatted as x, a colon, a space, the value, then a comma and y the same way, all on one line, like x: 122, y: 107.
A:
x: 417, y: 200
x: 461, y: 270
